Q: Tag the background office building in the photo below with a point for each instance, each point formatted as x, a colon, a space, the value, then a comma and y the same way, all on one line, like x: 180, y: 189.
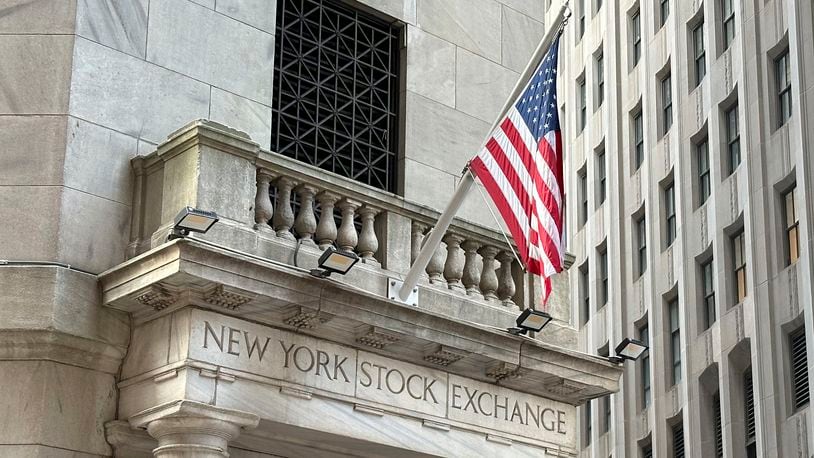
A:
x: 304, y: 124
x: 690, y: 132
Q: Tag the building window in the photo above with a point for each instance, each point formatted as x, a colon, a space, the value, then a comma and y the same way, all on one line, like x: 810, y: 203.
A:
x: 733, y: 138
x: 581, y: 28
x: 799, y: 368
x: 598, y: 5
x: 645, y: 366
x: 666, y: 104
x: 336, y: 94
x: 716, y: 423
x: 664, y: 12
x: 583, y: 105
x: 678, y: 441
x: 588, y: 423
x: 647, y: 451
x: 700, y: 53
x: 675, y: 340
x: 708, y: 292
x: 783, y: 65
x: 669, y: 214
x: 583, y: 196
x: 606, y: 401
x: 749, y: 412
x: 641, y: 244
x: 601, y: 178
x: 600, y: 79
x: 791, y: 225
x: 603, y: 277
x: 704, y: 184
x: 638, y: 140
x: 636, y: 37
x: 739, y: 258
x: 729, y: 22
x: 585, y: 292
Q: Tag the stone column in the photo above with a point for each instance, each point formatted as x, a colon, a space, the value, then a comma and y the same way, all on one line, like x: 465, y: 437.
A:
x: 506, y: 288
x: 347, y: 237
x: 368, y: 243
x: 416, y: 239
x: 326, y: 229
x: 187, y: 429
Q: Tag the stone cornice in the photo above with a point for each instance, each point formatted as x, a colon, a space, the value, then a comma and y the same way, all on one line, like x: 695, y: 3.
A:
x: 208, y: 133
x: 183, y: 264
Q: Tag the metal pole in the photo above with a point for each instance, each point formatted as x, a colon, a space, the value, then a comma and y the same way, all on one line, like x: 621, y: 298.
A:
x: 467, y: 180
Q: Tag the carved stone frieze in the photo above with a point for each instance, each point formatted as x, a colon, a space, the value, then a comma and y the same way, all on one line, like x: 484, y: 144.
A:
x: 307, y: 318
x: 157, y: 296
x: 226, y: 297
x: 442, y: 355
x: 501, y: 371
x: 376, y: 338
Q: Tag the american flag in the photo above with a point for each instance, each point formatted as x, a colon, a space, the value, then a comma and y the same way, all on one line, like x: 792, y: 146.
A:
x: 521, y: 168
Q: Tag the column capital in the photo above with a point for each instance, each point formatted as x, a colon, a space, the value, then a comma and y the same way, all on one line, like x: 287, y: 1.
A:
x: 191, y: 428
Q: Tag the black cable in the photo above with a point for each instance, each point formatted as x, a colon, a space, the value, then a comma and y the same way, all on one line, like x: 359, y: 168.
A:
x: 4, y: 262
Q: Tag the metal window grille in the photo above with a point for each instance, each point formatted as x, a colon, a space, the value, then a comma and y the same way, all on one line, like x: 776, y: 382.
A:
x: 719, y: 436
x: 336, y: 90
x: 678, y: 441
x: 799, y: 368
x: 749, y: 406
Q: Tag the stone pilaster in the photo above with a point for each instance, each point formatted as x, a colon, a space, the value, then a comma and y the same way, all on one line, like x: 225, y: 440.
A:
x: 186, y: 429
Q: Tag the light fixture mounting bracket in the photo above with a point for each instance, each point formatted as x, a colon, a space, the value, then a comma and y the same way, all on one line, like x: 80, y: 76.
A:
x: 393, y: 288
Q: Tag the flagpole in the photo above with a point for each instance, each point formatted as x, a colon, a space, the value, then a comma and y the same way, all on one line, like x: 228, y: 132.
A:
x: 433, y: 240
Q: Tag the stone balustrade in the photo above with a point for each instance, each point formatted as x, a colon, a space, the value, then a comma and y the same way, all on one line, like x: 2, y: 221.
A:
x: 275, y: 207
x: 295, y: 203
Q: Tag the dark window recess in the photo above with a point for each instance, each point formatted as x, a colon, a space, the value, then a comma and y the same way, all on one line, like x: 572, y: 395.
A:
x: 719, y: 437
x: 749, y: 407
x: 799, y: 369
x: 647, y: 452
x: 678, y: 441
x: 336, y: 90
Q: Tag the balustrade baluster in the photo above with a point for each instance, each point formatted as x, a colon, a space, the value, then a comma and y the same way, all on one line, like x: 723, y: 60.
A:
x: 435, y: 268
x: 346, y: 237
x: 284, y: 216
x: 472, y: 268
x: 506, y: 287
x: 263, y: 208
x: 306, y: 222
x: 488, y: 279
x: 454, y: 267
x: 416, y: 239
x: 368, y: 243
x: 326, y: 229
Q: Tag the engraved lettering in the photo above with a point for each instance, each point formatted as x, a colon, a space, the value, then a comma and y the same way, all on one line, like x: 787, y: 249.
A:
x: 379, y: 380
x: 255, y: 346
x: 287, y: 352
x: 532, y: 414
x: 516, y: 413
x: 234, y: 340
x: 455, y: 396
x: 365, y: 373
x: 561, y: 422
x: 322, y: 361
x: 208, y: 330
x: 428, y: 389
x: 505, y: 407
x: 387, y: 381
x: 409, y: 387
x: 338, y: 368
x: 471, y: 401
x: 480, y: 406
x: 548, y: 425
x: 311, y: 360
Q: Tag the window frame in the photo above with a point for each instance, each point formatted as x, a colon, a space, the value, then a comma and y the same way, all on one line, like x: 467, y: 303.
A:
x: 728, y: 23
x: 782, y: 65
x: 600, y: 78
x: 664, y: 12
x: 636, y: 37
x: 583, y: 104
x: 670, y: 229
x: 738, y: 242
x: 666, y: 104
x: 582, y: 182
x: 604, y: 276
x: 601, y: 177
x: 674, y: 322
x: 799, y: 369
x: 699, y: 55
x: 638, y: 139
x: 644, y: 371
x: 707, y: 270
x: 791, y: 226
x: 733, y: 136
x: 703, y: 171
x: 641, y: 244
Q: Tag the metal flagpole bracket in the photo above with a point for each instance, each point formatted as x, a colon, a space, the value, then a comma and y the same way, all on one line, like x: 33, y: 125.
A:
x: 394, y: 289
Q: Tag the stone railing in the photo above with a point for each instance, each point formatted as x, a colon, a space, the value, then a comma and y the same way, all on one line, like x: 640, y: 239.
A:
x: 274, y: 206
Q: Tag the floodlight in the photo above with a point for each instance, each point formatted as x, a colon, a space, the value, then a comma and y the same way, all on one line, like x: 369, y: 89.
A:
x: 192, y: 220
x: 629, y: 349
x: 530, y: 320
x: 334, y: 261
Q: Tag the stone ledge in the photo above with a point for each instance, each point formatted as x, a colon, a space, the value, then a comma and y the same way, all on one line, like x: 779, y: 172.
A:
x: 49, y: 345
